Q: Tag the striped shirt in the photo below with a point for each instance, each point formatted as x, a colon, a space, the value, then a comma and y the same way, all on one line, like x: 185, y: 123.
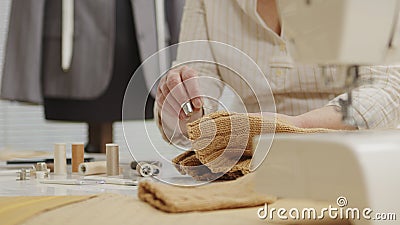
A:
x: 296, y: 88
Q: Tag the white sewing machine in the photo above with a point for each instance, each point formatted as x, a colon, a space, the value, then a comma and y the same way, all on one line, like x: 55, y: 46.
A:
x: 343, y: 33
x: 362, y: 166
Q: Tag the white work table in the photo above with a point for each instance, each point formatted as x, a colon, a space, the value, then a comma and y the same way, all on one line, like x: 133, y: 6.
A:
x: 9, y: 186
x: 143, y: 150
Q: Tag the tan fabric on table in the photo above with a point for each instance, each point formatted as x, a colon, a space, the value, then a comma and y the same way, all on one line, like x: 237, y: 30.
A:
x: 15, y: 210
x: 227, y: 195
x: 118, y: 209
x: 222, y: 142
x: 9, y: 154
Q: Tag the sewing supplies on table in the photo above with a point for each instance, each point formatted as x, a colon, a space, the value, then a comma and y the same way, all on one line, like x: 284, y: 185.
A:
x: 81, y: 173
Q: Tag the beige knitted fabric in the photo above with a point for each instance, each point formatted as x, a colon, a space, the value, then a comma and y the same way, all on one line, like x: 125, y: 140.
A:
x: 227, y: 195
x: 222, y: 144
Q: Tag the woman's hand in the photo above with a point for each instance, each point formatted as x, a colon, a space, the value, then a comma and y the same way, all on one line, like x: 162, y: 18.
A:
x: 179, y: 86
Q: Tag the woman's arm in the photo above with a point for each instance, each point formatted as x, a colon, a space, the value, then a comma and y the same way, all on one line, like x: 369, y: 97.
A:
x: 326, y: 117
x: 193, y: 28
x: 375, y: 103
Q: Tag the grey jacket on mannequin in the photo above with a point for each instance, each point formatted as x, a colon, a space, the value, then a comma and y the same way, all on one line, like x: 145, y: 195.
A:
x: 85, y: 78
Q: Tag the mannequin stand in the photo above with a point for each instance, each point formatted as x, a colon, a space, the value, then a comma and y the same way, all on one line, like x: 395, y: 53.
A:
x: 99, y: 135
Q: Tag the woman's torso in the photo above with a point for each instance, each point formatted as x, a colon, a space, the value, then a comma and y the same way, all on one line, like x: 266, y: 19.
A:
x: 296, y: 88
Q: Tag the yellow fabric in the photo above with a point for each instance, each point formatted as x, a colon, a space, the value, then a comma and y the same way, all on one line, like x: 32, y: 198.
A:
x: 118, y: 209
x: 12, y: 154
x: 15, y: 210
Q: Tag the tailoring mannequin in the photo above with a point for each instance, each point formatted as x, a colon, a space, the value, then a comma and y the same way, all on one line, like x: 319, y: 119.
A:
x: 100, y: 113
x: 110, y: 40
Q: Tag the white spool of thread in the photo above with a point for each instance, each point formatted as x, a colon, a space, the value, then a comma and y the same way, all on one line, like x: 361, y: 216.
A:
x: 60, y: 159
x: 91, y: 168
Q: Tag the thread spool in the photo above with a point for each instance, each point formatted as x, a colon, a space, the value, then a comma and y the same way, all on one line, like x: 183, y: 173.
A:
x: 77, y: 156
x: 42, y: 174
x: 41, y: 171
x: 41, y: 166
x: 92, y: 168
x: 135, y: 163
x: 60, y: 159
x: 147, y: 170
x: 22, y: 175
x: 112, y: 154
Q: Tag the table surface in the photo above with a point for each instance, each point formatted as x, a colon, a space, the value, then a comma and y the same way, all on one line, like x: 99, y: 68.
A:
x: 10, y: 186
x: 144, y: 142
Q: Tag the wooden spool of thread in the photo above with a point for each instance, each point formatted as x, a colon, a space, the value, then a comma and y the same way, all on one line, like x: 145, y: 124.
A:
x: 92, y: 168
x: 78, y: 150
x: 112, y: 154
